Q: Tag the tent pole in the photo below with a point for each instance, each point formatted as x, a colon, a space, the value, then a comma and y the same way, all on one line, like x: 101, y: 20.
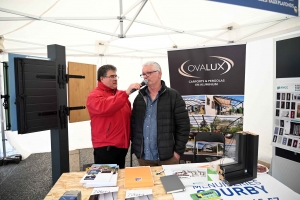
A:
x: 121, y: 20
x: 34, y: 17
x: 132, y: 7
x: 138, y: 12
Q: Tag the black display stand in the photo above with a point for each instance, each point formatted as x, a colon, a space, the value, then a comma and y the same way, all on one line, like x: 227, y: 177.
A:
x: 41, y: 100
x: 59, y: 136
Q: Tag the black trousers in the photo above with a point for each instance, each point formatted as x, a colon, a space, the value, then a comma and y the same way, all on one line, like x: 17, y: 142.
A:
x: 110, y: 155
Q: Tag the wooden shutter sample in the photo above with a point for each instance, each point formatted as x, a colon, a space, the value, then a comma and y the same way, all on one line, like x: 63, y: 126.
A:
x: 79, y: 89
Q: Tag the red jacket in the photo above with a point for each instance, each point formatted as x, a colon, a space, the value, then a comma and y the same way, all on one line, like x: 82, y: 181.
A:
x: 110, y: 112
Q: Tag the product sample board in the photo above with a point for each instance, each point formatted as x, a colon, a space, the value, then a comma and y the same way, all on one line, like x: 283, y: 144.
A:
x: 286, y: 157
x: 286, y: 133
x: 36, y: 95
x: 12, y: 89
x: 79, y: 89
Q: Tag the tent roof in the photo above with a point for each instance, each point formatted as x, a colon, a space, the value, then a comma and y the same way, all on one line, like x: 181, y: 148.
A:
x: 141, y: 28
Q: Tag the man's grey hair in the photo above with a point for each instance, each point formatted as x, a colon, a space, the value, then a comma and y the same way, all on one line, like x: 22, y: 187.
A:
x: 152, y: 63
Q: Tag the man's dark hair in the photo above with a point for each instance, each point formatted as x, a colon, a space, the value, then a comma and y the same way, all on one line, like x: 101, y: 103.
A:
x: 103, y: 70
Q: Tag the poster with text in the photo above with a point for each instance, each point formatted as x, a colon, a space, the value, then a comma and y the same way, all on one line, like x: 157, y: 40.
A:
x: 211, y: 82
x: 289, y: 7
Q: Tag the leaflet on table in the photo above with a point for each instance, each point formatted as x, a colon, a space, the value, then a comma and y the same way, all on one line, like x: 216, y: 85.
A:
x: 107, y: 193
x: 135, y: 177
x: 206, y: 195
x: 188, y: 175
x: 112, y: 182
x: 139, y: 194
x: 100, y: 175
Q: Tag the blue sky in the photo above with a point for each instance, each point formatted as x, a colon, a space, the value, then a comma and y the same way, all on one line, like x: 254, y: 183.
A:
x: 237, y: 97
x: 241, y: 98
x: 195, y: 96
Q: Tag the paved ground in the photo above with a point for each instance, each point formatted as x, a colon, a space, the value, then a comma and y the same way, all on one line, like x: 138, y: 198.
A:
x: 32, y: 178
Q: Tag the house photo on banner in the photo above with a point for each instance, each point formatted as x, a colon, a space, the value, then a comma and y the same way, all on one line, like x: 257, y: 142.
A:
x: 211, y: 81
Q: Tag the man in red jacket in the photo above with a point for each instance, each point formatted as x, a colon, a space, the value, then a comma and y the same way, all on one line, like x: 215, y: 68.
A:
x: 110, y: 111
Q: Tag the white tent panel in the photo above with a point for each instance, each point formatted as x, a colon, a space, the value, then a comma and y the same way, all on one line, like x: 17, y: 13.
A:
x: 146, y: 24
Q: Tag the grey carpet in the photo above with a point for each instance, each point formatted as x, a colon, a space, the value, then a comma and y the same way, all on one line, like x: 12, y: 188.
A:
x: 30, y: 179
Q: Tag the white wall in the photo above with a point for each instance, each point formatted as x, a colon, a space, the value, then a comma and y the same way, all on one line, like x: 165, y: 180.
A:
x: 259, y: 84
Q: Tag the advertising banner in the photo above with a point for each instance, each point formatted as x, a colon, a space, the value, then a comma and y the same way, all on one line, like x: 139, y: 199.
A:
x: 289, y: 7
x: 211, y: 81
x: 212, y: 70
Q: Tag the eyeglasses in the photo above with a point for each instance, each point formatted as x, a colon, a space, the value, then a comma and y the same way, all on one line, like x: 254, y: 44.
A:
x: 147, y: 74
x: 112, y: 77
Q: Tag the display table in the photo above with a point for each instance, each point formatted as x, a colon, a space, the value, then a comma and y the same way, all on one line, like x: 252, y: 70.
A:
x: 70, y: 181
x: 264, y: 187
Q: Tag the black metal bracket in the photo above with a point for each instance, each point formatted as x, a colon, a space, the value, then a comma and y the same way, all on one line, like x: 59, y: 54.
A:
x: 47, y: 113
x: 5, y: 102
x: 64, y: 111
x: 68, y: 76
x: 42, y: 76
x: 63, y: 78
x: 74, y: 108
x: 63, y: 116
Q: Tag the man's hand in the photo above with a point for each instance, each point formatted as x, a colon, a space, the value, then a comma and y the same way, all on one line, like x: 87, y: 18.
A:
x: 133, y: 86
x: 176, y: 155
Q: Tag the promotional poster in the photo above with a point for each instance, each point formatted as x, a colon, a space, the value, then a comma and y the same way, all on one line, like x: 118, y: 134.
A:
x: 211, y: 81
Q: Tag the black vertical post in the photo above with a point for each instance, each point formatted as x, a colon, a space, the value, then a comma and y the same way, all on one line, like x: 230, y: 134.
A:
x: 59, y: 137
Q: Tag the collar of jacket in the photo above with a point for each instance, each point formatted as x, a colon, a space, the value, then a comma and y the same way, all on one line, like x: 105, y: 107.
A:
x: 163, y: 87
x: 104, y: 88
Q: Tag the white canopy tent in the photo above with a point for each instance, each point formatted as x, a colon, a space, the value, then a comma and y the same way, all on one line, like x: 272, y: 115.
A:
x: 140, y: 28
x: 129, y: 32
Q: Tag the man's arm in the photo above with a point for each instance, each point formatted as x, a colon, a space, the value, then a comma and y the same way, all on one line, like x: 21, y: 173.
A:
x: 106, y: 106
x: 182, y: 126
